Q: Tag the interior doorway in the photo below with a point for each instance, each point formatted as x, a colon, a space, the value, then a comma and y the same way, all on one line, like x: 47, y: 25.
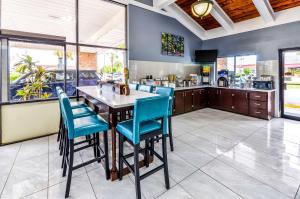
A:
x: 289, y: 69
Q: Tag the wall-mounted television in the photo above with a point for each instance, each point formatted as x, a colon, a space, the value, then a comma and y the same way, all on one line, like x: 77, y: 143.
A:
x: 172, y: 45
x: 206, y: 56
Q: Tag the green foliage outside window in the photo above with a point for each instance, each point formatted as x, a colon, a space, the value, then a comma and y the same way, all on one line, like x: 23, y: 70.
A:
x: 36, y: 80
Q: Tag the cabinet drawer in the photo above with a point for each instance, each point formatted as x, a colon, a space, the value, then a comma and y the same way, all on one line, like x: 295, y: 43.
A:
x: 258, y: 104
x: 259, y: 113
x: 259, y: 96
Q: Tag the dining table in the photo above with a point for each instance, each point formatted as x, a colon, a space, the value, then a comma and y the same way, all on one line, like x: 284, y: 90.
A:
x: 116, y: 105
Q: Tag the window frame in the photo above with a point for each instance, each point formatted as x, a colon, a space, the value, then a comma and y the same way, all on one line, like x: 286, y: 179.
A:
x: 18, y: 36
x: 234, y: 57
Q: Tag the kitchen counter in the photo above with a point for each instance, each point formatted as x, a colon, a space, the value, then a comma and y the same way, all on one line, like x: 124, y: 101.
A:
x: 234, y: 88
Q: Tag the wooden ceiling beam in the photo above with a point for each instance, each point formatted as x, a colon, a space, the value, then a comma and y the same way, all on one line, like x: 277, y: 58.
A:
x: 186, y: 20
x: 265, y: 10
x: 219, y: 14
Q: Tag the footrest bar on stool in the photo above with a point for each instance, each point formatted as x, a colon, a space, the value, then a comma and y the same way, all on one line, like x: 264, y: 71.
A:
x: 129, y: 166
x: 83, y: 147
x: 87, y: 163
x: 157, y: 155
x: 152, y: 171
x: 83, y: 141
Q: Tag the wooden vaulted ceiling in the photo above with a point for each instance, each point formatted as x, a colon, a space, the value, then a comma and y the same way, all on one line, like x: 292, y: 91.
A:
x: 237, y: 10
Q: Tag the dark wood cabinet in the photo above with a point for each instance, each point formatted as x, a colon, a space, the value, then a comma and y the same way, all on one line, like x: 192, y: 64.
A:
x: 213, y: 100
x: 225, y: 99
x: 251, y: 103
x: 240, y: 102
x: 199, y: 99
x: 178, y: 103
x: 188, y: 101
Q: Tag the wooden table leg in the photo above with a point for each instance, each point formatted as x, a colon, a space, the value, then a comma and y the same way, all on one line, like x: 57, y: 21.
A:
x: 113, y: 123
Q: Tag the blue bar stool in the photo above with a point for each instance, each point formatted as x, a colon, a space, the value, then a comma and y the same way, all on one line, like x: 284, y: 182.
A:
x: 76, y: 127
x: 133, y: 86
x: 145, y: 126
x: 145, y: 88
x: 79, y: 110
x: 168, y: 91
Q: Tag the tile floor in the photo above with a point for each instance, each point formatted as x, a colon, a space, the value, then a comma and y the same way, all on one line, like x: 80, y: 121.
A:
x: 217, y: 155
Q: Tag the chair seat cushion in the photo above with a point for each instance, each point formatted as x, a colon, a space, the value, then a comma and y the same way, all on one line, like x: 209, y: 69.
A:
x: 126, y: 128
x: 82, y: 112
x: 78, y: 104
x: 89, y: 125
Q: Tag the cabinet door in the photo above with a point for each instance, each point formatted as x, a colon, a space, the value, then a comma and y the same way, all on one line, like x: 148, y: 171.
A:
x: 241, y: 102
x: 188, y: 101
x: 196, y: 99
x: 203, y: 98
x: 178, y: 102
x: 213, y: 97
x: 225, y: 99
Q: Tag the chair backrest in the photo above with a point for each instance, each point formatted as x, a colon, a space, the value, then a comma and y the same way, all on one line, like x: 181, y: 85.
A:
x: 67, y: 114
x: 147, y: 109
x: 133, y: 86
x: 146, y: 88
x: 59, y: 90
x: 167, y: 91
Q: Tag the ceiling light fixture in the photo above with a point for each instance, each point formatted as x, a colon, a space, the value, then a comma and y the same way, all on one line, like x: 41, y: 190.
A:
x: 202, y: 8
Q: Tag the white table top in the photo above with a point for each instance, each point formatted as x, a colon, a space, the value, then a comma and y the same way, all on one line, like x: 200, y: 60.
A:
x: 112, y: 99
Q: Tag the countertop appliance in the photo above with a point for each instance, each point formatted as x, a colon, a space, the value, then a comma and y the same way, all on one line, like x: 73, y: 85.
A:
x: 222, y: 82
x: 265, y: 85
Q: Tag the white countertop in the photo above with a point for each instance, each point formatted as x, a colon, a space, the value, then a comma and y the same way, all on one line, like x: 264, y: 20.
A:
x: 112, y: 99
x: 234, y: 88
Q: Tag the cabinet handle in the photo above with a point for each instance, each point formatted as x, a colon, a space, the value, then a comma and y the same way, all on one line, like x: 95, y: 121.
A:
x: 257, y: 96
x: 257, y: 112
x: 232, y: 95
x: 220, y: 92
x: 232, y: 107
x: 257, y: 104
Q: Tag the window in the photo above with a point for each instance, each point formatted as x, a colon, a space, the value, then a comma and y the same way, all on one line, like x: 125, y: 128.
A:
x: 102, y: 23
x: 246, y: 66
x: 238, y: 66
x: 100, y: 64
x: 226, y: 63
x: 39, y: 57
x: 34, y: 70
x: 51, y: 17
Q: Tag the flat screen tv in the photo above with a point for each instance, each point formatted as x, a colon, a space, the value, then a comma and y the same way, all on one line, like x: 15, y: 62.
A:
x: 206, y: 56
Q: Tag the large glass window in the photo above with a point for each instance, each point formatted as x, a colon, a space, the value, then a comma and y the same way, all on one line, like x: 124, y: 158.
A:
x: 51, y: 17
x: 246, y: 66
x: 101, y: 64
x: 42, y: 46
x: 102, y: 23
x: 34, y: 70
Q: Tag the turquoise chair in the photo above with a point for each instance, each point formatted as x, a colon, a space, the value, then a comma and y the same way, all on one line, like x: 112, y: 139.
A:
x: 168, y: 91
x: 79, y: 109
x: 133, y: 86
x: 78, y: 127
x: 145, y: 126
x: 145, y: 88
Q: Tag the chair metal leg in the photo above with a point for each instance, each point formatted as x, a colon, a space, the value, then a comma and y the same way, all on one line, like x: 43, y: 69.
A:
x: 136, y: 172
x: 62, y: 137
x: 71, y: 143
x: 165, y: 158
x: 60, y: 127
x: 97, y: 147
x: 121, y: 152
x: 146, y: 157
x: 170, y: 134
x: 107, y: 170
x: 152, y: 146
x: 94, y: 145
x: 66, y: 153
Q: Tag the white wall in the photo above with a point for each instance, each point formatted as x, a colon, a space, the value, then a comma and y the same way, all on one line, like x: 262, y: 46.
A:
x: 29, y: 120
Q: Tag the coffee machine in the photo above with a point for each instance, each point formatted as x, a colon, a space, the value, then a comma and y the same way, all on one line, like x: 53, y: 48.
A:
x: 223, y: 78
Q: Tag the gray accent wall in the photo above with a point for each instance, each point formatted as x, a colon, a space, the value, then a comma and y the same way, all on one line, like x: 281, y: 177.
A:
x: 264, y: 42
x: 145, y: 28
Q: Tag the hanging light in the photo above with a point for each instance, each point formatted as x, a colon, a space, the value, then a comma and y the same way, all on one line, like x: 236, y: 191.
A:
x: 201, y: 8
